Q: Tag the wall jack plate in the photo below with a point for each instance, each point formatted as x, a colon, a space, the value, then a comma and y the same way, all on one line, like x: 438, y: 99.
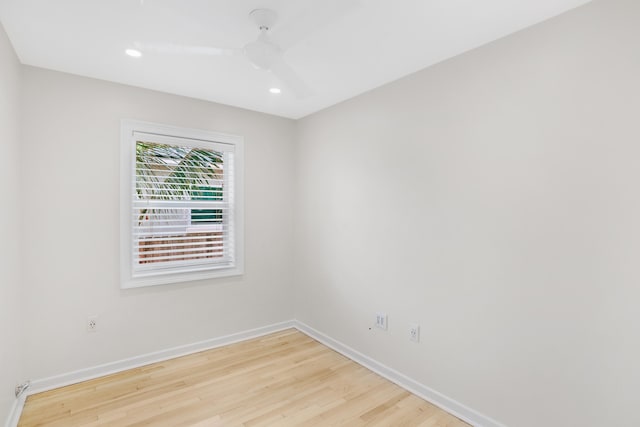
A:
x: 381, y: 321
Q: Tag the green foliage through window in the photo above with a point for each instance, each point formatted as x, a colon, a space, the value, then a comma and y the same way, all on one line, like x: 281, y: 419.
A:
x: 174, y: 173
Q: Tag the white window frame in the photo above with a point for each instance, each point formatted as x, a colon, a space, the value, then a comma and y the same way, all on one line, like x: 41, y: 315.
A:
x: 202, y: 138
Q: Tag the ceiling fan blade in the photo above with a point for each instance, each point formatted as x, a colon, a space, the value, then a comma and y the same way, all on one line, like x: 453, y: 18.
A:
x: 177, y: 49
x: 291, y: 79
x: 315, y: 15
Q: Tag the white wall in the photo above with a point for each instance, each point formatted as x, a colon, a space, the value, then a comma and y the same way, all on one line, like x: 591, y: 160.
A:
x: 10, y: 280
x: 494, y: 199
x: 71, y: 196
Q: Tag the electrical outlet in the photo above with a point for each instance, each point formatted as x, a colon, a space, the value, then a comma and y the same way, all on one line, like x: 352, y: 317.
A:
x: 381, y: 321
x: 92, y: 323
x: 414, y: 332
x: 20, y: 388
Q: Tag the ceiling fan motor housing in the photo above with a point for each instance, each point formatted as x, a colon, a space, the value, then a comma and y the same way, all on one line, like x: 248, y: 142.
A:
x: 265, y: 19
x: 262, y: 53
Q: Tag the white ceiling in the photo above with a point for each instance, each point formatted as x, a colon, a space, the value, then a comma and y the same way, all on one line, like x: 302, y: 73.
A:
x: 365, y: 44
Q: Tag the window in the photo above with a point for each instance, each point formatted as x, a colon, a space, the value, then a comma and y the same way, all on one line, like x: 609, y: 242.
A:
x: 181, y: 212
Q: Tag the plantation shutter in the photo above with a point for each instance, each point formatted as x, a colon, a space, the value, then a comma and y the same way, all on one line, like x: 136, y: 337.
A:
x: 182, y: 205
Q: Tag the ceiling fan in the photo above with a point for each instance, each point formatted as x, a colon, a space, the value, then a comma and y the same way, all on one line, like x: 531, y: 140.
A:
x: 265, y: 52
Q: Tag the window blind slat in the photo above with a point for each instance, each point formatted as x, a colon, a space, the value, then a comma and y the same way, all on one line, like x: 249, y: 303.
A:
x: 157, y: 258
x: 175, y: 237
x: 184, y: 204
x: 172, y: 246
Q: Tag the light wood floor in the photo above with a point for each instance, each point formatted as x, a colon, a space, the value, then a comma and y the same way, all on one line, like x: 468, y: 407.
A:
x: 283, y: 379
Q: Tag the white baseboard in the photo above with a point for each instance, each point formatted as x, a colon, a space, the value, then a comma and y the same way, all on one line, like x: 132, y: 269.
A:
x: 44, y: 384
x: 453, y: 407
x: 440, y: 400
x: 16, y: 411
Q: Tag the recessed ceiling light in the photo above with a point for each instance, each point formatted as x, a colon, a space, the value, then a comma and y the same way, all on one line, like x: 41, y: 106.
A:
x: 133, y: 53
x: 275, y: 90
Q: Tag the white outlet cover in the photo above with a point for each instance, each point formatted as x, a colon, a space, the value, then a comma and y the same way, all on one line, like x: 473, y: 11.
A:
x: 414, y: 332
x: 381, y: 321
x: 92, y: 323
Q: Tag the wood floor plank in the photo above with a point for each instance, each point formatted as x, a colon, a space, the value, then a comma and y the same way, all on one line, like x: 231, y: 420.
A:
x: 283, y: 379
